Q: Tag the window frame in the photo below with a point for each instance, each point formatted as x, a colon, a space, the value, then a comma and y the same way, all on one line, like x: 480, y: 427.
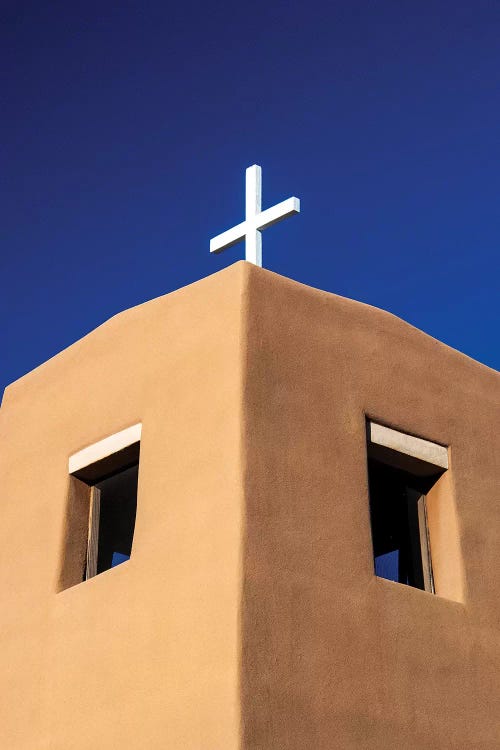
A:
x: 415, y: 456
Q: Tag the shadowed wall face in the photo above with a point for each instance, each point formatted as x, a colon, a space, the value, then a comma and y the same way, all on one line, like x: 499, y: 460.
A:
x: 334, y: 656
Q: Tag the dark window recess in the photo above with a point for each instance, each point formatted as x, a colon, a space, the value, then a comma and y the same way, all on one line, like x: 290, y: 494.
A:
x: 117, y: 499
x: 399, y: 523
x: 100, y: 516
x: 112, y: 486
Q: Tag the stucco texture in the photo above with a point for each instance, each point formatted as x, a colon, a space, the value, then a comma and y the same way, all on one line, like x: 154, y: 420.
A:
x: 144, y: 655
x: 249, y: 616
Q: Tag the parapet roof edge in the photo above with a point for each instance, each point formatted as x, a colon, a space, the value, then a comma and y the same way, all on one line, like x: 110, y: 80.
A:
x: 249, y: 270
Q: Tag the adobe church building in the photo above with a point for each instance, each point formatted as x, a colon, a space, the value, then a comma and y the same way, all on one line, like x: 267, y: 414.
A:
x: 251, y: 515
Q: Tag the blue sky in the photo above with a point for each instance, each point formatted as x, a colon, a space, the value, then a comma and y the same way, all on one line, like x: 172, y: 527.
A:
x: 126, y: 129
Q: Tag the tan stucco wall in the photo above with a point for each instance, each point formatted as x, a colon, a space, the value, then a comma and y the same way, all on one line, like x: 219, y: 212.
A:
x: 249, y: 615
x: 144, y: 655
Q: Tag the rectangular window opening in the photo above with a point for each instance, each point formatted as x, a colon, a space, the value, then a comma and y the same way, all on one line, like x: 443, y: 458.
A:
x: 102, y: 506
x: 402, y: 469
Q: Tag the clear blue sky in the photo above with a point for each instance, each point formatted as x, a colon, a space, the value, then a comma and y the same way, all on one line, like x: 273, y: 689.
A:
x: 126, y: 128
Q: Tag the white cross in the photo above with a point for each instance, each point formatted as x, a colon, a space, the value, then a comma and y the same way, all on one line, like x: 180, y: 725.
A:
x: 255, y: 219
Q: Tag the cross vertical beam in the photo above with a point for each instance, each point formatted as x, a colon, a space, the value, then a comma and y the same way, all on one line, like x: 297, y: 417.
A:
x: 253, y: 207
x: 255, y: 219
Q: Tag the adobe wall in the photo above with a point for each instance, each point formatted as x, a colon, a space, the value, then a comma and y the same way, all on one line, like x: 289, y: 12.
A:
x: 334, y: 657
x: 144, y: 655
x: 249, y: 615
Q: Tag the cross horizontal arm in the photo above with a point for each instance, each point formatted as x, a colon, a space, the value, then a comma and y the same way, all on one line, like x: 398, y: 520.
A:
x: 274, y: 214
x: 228, y: 239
